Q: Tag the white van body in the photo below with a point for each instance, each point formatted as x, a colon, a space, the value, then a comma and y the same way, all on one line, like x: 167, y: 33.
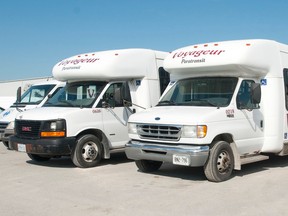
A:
x: 35, y: 96
x: 88, y: 119
x: 211, y: 114
x: 6, y: 101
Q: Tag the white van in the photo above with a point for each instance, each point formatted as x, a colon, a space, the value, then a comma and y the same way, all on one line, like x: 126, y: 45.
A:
x: 35, y: 96
x: 9, y: 88
x: 88, y: 118
x: 226, y: 106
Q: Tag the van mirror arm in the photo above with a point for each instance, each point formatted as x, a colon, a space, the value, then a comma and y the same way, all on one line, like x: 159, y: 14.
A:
x: 128, y: 103
x: 105, y: 104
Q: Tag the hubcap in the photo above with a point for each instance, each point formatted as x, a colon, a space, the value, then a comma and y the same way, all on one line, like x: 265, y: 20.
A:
x: 89, y: 151
x: 223, y: 162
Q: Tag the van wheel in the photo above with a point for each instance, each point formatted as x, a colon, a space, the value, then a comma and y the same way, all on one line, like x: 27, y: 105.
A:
x: 6, y: 144
x: 38, y: 158
x: 88, y: 151
x: 220, y: 163
x: 148, y: 165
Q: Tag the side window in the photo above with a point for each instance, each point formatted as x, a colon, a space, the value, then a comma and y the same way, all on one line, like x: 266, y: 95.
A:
x: 116, y: 94
x: 244, y: 97
x: 164, y: 79
x: 285, y: 75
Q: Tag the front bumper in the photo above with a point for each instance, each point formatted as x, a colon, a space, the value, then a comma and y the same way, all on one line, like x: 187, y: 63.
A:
x: 7, y: 133
x: 51, y: 146
x: 137, y: 150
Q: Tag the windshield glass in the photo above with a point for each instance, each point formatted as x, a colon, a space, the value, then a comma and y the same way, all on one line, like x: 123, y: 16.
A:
x: 201, y: 91
x: 78, y: 94
x: 35, y: 94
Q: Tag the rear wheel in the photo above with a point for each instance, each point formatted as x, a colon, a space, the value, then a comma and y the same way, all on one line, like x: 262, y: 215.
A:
x: 220, y: 163
x: 88, y: 151
x: 38, y: 158
x: 148, y: 165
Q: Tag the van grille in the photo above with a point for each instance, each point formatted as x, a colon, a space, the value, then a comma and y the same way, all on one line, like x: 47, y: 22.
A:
x: 27, y: 129
x: 162, y: 132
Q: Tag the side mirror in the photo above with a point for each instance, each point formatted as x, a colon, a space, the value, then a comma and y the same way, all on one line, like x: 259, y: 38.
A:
x: 256, y: 93
x: 105, y: 104
x: 18, y: 95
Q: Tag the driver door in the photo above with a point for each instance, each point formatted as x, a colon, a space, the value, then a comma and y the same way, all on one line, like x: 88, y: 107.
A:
x: 115, y: 114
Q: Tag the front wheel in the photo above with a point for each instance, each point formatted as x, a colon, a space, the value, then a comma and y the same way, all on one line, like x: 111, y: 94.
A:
x: 88, y: 151
x: 148, y: 165
x: 6, y: 144
x: 220, y: 163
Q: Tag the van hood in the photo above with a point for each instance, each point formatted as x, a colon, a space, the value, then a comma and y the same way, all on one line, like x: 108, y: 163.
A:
x: 8, y: 115
x: 182, y: 115
x: 46, y: 113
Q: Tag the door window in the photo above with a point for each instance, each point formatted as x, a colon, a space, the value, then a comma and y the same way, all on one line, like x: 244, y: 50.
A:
x: 117, y: 94
x: 244, y: 96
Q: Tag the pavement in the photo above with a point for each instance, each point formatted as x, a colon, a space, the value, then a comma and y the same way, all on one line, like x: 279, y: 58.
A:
x: 116, y: 187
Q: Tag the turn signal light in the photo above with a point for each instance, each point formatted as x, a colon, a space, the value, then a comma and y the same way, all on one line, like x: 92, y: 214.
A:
x: 53, y: 134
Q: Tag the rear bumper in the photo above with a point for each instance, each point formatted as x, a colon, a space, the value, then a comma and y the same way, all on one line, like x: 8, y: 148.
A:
x: 137, y: 150
x: 51, y: 147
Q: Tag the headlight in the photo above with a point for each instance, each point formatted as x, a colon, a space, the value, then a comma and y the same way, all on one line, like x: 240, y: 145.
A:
x: 56, y: 128
x: 11, y: 125
x: 132, y: 128
x: 193, y: 131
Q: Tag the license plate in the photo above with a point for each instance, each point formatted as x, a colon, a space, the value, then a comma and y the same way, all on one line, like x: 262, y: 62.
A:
x: 183, y: 160
x: 21, y: 147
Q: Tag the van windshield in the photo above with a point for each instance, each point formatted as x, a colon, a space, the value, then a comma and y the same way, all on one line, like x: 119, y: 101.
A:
x: 35, y: 94
x: 77, y: 94
x: 200, y: 91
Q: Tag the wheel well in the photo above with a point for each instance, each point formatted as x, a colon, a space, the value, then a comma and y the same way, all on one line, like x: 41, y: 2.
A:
x: 224, y: 137
x: 229, y: 139
x: 101, y: 136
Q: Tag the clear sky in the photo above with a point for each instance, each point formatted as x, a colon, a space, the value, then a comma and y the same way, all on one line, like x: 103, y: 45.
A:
x: 36, y: 34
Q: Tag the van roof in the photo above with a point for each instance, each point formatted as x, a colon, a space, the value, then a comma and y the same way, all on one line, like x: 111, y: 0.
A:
x: 49, y: 82
x: 108, y: 65
x: 252, y: 58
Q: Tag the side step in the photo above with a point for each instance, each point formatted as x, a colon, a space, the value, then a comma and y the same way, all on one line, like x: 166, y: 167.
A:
x: 252, y: 158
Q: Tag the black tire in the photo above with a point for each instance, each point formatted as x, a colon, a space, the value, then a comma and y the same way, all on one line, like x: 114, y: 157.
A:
x: 88, y: 151
x: 148, y: 165
x: 220, y: 163
x: 6, y: 144
x: 38, y: 158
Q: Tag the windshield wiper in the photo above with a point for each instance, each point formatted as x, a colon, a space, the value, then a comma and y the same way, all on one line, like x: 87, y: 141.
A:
x: 167, y: 102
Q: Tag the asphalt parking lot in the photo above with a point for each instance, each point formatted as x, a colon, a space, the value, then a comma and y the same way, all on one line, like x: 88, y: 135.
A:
x: 115, y: 187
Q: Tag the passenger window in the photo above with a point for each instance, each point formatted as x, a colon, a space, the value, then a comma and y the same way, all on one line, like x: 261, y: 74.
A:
x: 116, y: 94
x: 285, y: 74
x: 244, y: 96
x: 164, y: 79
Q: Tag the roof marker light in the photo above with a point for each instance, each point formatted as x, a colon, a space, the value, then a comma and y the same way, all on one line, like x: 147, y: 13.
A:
x: 205, y: 45
x: 248, y: 44
x: 216, y: 44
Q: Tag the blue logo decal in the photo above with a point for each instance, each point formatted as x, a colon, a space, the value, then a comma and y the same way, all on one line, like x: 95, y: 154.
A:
x: 138, y: 82
x: 6, y: 113
x: 263, y: 81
